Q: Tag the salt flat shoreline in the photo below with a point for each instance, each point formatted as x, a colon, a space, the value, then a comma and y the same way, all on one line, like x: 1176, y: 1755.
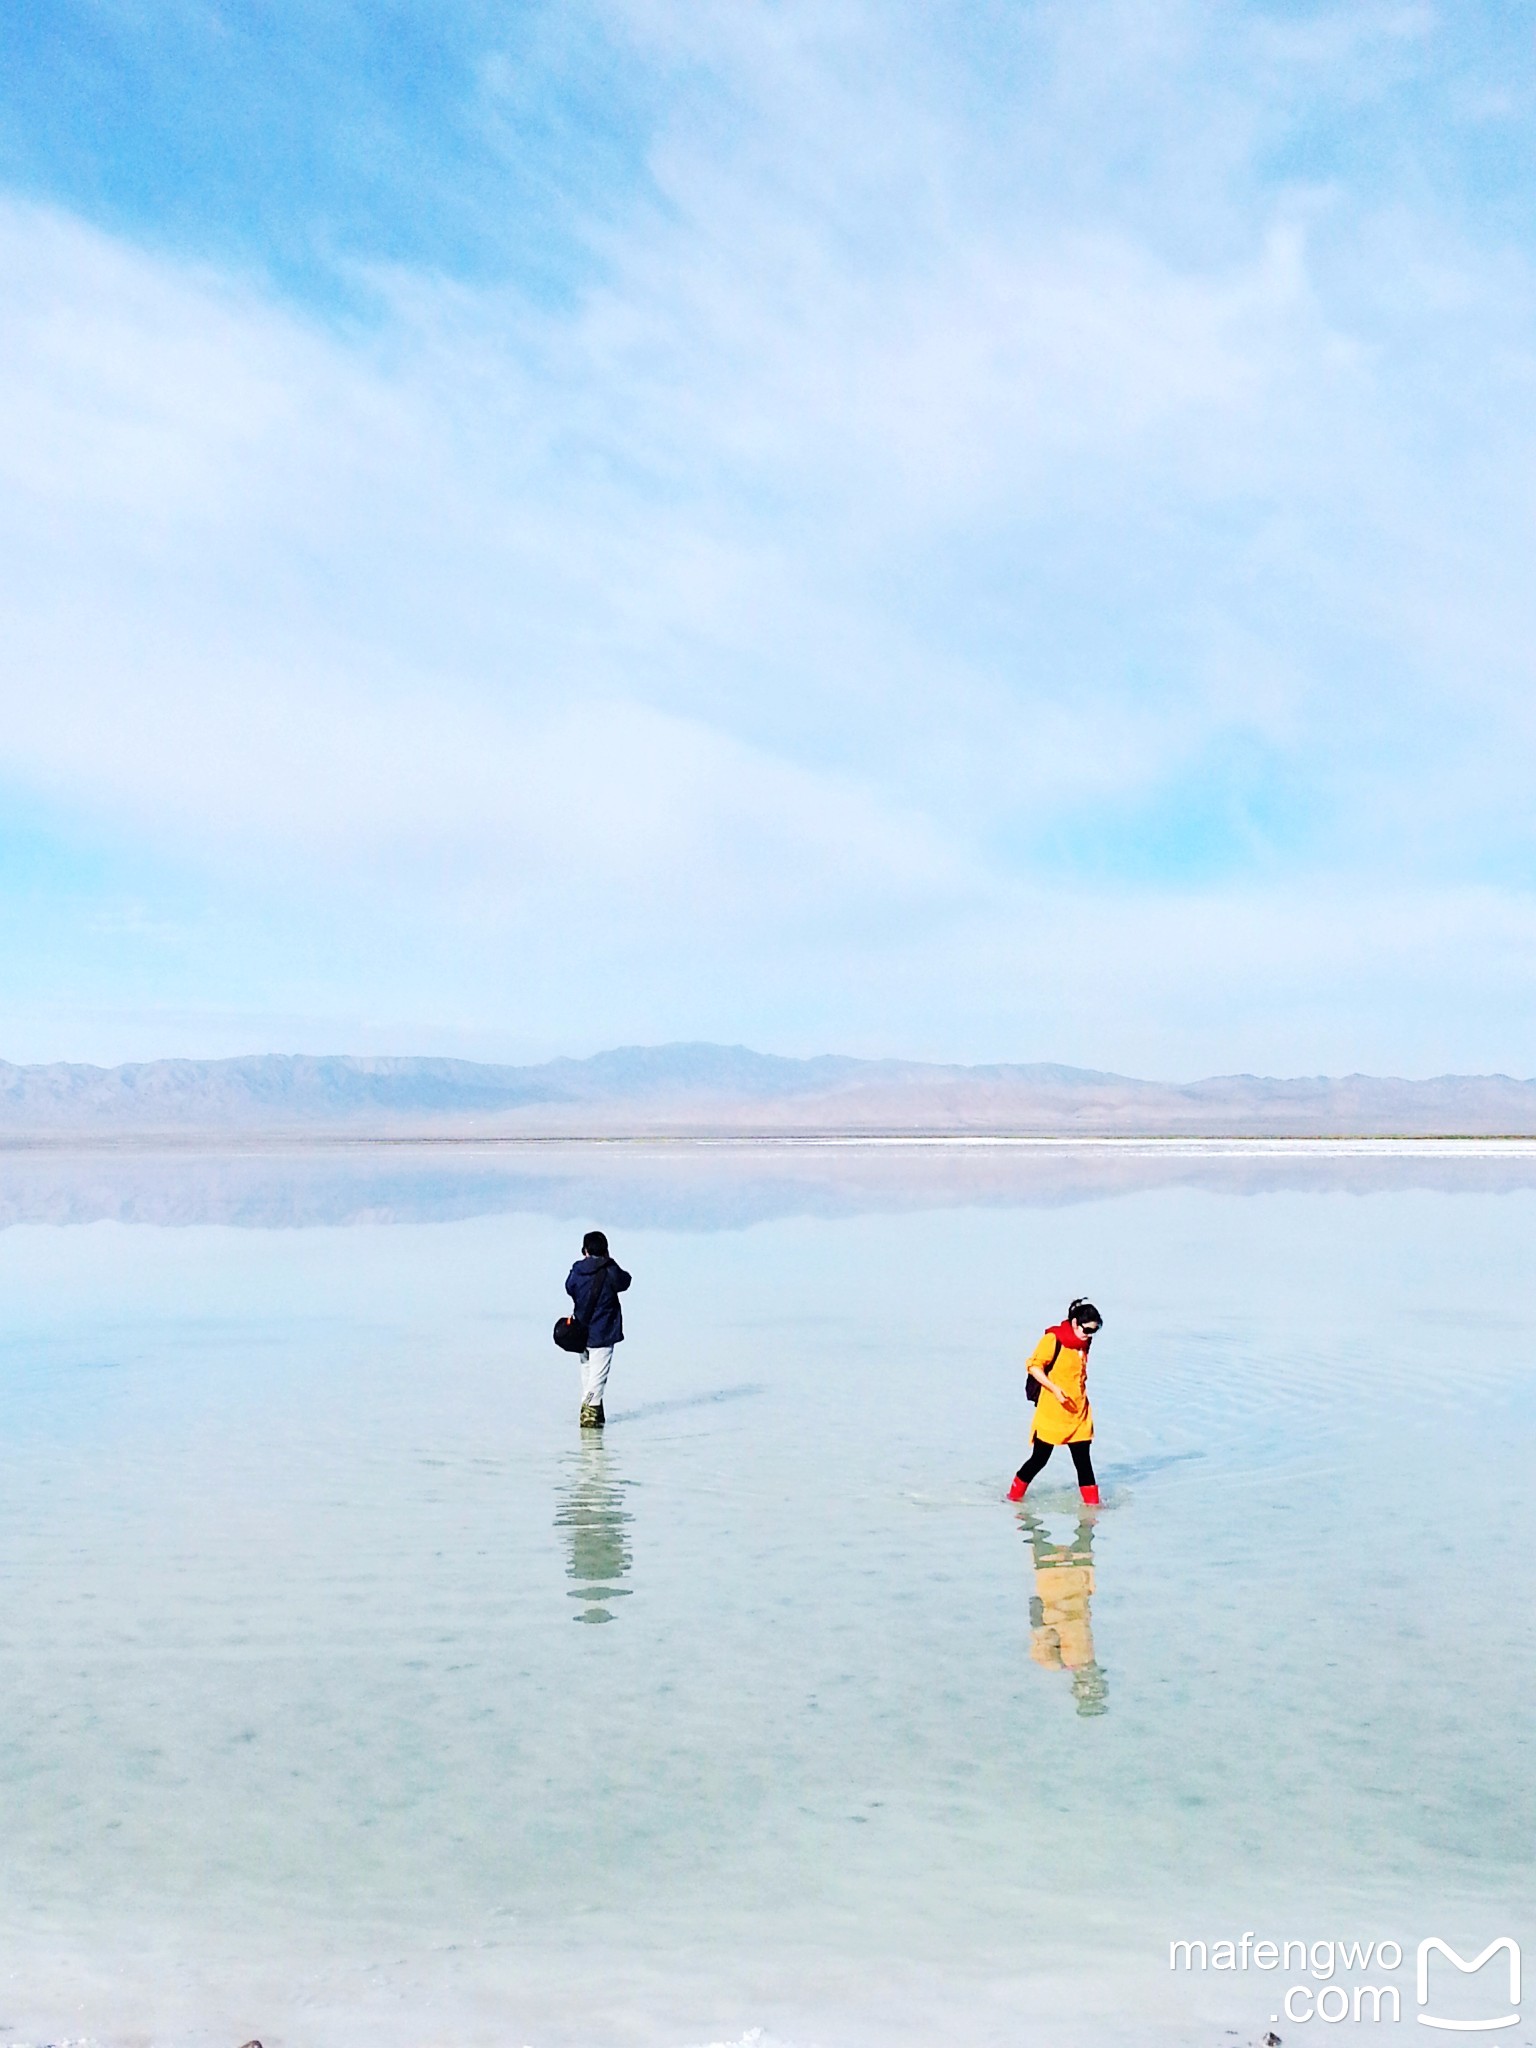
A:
x: 1196, y: 1144
x: 701, y: 1182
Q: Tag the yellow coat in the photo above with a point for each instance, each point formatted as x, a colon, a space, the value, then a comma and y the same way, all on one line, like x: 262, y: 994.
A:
x: 1053, y: 1425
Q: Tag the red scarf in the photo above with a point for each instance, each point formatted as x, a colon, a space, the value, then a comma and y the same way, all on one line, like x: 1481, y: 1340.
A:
x: 1068, y: 1338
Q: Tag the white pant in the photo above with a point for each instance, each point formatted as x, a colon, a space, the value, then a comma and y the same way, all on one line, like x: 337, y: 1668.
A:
x: 594, y: 1374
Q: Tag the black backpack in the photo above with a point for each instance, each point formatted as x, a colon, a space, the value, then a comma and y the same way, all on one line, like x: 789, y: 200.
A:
x: 1031, y: 1384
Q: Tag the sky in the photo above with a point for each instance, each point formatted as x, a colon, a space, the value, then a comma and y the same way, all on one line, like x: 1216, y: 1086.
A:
x: 965, y: 531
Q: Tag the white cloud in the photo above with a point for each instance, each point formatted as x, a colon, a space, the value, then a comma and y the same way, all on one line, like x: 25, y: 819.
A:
x: 893, y: 505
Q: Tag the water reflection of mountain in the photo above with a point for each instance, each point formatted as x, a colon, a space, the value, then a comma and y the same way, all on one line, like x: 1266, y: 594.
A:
x: 593, y: 1519
x: 702, y: 1186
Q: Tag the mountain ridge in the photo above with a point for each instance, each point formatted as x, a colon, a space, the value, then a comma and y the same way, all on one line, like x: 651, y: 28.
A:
x: 701, y: 1089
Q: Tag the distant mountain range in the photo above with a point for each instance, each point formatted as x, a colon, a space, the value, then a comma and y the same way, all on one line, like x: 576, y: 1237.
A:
x: 701, y: 1090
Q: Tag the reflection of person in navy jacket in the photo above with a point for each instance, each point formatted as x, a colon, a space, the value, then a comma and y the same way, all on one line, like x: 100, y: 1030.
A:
x: 594, y: 1284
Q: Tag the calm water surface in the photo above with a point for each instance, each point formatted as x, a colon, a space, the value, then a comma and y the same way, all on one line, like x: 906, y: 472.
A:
x: 350, y: 1692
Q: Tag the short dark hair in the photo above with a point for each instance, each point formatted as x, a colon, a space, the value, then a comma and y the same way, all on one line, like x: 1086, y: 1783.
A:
x: 1085, y: 1315
x: 595, y: 1245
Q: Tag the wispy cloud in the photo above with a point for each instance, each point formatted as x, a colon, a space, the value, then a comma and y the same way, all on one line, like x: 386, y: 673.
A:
x: 1007, y: 537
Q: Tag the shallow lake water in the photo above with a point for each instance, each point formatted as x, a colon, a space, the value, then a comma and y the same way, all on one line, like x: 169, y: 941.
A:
x: 351, y: 1692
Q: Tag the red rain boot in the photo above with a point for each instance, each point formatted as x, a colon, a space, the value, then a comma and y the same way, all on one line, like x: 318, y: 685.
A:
x: 1018, y: 1489
x: 1090, y: 1496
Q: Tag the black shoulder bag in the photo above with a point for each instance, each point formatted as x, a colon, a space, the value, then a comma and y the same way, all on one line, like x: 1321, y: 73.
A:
x: 571, y: 1331
x: 1032, y: 1385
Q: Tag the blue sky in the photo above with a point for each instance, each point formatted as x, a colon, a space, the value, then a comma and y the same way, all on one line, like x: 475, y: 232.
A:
x: 969, y: 531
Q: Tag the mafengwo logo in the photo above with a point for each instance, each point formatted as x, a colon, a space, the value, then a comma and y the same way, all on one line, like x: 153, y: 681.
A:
x: 1330, y: 1974
x: 1435, y: 1946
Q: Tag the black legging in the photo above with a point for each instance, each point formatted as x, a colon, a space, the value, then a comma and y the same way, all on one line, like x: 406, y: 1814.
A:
x: 1040, y: 1457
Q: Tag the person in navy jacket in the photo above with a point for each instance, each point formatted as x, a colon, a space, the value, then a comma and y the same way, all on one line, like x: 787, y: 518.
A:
x: 594, y: 1284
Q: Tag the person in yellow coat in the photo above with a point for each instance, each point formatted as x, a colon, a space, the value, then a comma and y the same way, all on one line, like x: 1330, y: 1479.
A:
x: 1059, y: 1367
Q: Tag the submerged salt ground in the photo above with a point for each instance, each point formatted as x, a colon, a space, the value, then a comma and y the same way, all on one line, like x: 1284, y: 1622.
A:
x: 294, y: 1523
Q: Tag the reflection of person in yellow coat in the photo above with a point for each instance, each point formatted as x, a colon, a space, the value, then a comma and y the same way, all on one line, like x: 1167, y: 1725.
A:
x: 1060, y: 1617
x: 1058, y: 1366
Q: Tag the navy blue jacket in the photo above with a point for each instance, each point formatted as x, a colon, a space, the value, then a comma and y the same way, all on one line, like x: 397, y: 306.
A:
x: 595, y: 1285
